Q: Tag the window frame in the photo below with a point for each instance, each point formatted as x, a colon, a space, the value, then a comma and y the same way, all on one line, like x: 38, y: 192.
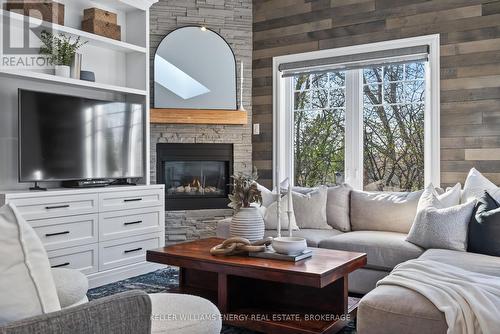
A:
x: 283, y: 129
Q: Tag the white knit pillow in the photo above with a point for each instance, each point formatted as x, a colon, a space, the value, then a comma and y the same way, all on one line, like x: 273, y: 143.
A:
x: 438, y: 226
x: 26, y: 284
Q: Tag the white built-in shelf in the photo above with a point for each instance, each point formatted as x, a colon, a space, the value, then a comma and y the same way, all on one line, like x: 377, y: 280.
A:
x: 127, y: 5
x: 92, y: 39
x: 49, y: 78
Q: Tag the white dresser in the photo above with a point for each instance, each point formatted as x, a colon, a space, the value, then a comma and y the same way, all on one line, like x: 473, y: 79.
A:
x: 103, y: 232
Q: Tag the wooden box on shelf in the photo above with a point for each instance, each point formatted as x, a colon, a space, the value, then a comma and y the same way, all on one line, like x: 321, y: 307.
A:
x: 102, y: 28
x: 100, y: 15
x: 45, y: 10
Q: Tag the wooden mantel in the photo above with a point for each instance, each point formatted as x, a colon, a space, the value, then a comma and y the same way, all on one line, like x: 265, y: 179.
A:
x: 198, y: 116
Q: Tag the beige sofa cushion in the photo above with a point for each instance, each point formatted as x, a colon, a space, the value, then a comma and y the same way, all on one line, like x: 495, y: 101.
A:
x: 392, y: 212
x: 312, y: 236
x: 394, y: 309
x: 384, y: 249
x: 337, y: 207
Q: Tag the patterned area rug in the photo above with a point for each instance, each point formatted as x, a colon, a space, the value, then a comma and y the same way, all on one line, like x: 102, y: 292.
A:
x: 162, y: 281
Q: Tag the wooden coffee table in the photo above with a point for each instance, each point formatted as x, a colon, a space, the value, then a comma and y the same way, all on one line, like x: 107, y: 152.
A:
x: 264, y: 295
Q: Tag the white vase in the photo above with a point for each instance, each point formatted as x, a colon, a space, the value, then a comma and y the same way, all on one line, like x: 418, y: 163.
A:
x: 63, y: 71
x: 248, y: 223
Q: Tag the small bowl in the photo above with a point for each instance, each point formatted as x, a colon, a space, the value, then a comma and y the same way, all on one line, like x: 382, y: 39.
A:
x: 289, y: 245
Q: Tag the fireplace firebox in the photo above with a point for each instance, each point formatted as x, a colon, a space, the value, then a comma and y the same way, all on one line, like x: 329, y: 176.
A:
x: 196, y: 176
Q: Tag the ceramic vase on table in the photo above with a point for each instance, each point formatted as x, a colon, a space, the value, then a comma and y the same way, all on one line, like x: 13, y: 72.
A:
x: 63, y: 71
x: 247, y: 223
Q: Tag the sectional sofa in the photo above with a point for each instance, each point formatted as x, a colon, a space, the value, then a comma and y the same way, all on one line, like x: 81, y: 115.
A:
x: 378, y: 224
x: 371, y: 223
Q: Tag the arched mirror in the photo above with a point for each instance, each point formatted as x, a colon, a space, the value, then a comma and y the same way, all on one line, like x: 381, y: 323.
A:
x: 194, y: 68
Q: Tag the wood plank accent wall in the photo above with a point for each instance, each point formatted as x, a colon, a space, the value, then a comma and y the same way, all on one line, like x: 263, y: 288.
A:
x: 470, y: 65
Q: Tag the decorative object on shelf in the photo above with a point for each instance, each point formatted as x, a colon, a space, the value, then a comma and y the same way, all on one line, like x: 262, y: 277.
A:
x: 87, y: 76
x: 62, y: 71
x: 76, y: 66
x: 237, y: 245
x: 45, y: 10
x: 241, y: 108
x: 100, y: 15
x: 101, y: 22
x: 61, y: 49
x: 195, y: 68
x: 247, y: 222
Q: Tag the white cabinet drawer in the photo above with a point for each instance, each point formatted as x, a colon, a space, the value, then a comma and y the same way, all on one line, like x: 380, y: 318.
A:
x: 123, y: 200
x: 121, y: 252
x: 83, y: 258
x: 68, y: 231
x: 120, y: 224
x: 56, y: 206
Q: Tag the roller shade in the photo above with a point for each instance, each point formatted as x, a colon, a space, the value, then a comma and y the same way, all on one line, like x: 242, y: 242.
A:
x: 356, y: 61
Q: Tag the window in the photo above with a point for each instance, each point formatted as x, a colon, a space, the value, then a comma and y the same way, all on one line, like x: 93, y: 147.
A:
x: 393, y: 127
x: 319, y: 128
x: 374, y: 126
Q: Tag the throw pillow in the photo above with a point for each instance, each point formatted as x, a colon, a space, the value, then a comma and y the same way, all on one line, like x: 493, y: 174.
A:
x: 337, y: 207
x: 267, y: 195
x: 310, y: 208
x: 431, y: 198
x: 26, y: 284
x: 383, y: 211
x: 436, y: 226
x: 451, y: 196
x: 271, y: 217
x: 476, y: 184
x: 484, y: 227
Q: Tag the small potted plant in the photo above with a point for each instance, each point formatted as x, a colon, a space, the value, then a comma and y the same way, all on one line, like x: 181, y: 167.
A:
x: 247, y: 221
x: 61, y: 50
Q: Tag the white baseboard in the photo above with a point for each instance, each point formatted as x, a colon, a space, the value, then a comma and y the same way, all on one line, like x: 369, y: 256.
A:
x: 118, y: 274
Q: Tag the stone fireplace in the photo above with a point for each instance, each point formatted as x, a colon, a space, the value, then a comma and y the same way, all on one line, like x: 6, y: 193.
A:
x: 196, y: 176
x: 233, y: 21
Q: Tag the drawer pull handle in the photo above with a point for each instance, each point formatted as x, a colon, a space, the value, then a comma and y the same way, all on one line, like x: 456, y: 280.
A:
x: 54, y: 234
x: 57, y: 207
x: 132, y: 223
x: 133, y: 250
x: 132, y: 200
x: 60, y: 265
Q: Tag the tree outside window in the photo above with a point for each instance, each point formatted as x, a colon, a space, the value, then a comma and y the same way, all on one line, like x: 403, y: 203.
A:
x: 393, y: 127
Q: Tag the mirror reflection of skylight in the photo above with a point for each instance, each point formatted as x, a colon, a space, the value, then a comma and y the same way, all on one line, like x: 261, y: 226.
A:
x: 177, y: 81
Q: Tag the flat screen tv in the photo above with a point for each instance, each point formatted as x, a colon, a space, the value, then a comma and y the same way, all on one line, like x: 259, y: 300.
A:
x: 65, y: 138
